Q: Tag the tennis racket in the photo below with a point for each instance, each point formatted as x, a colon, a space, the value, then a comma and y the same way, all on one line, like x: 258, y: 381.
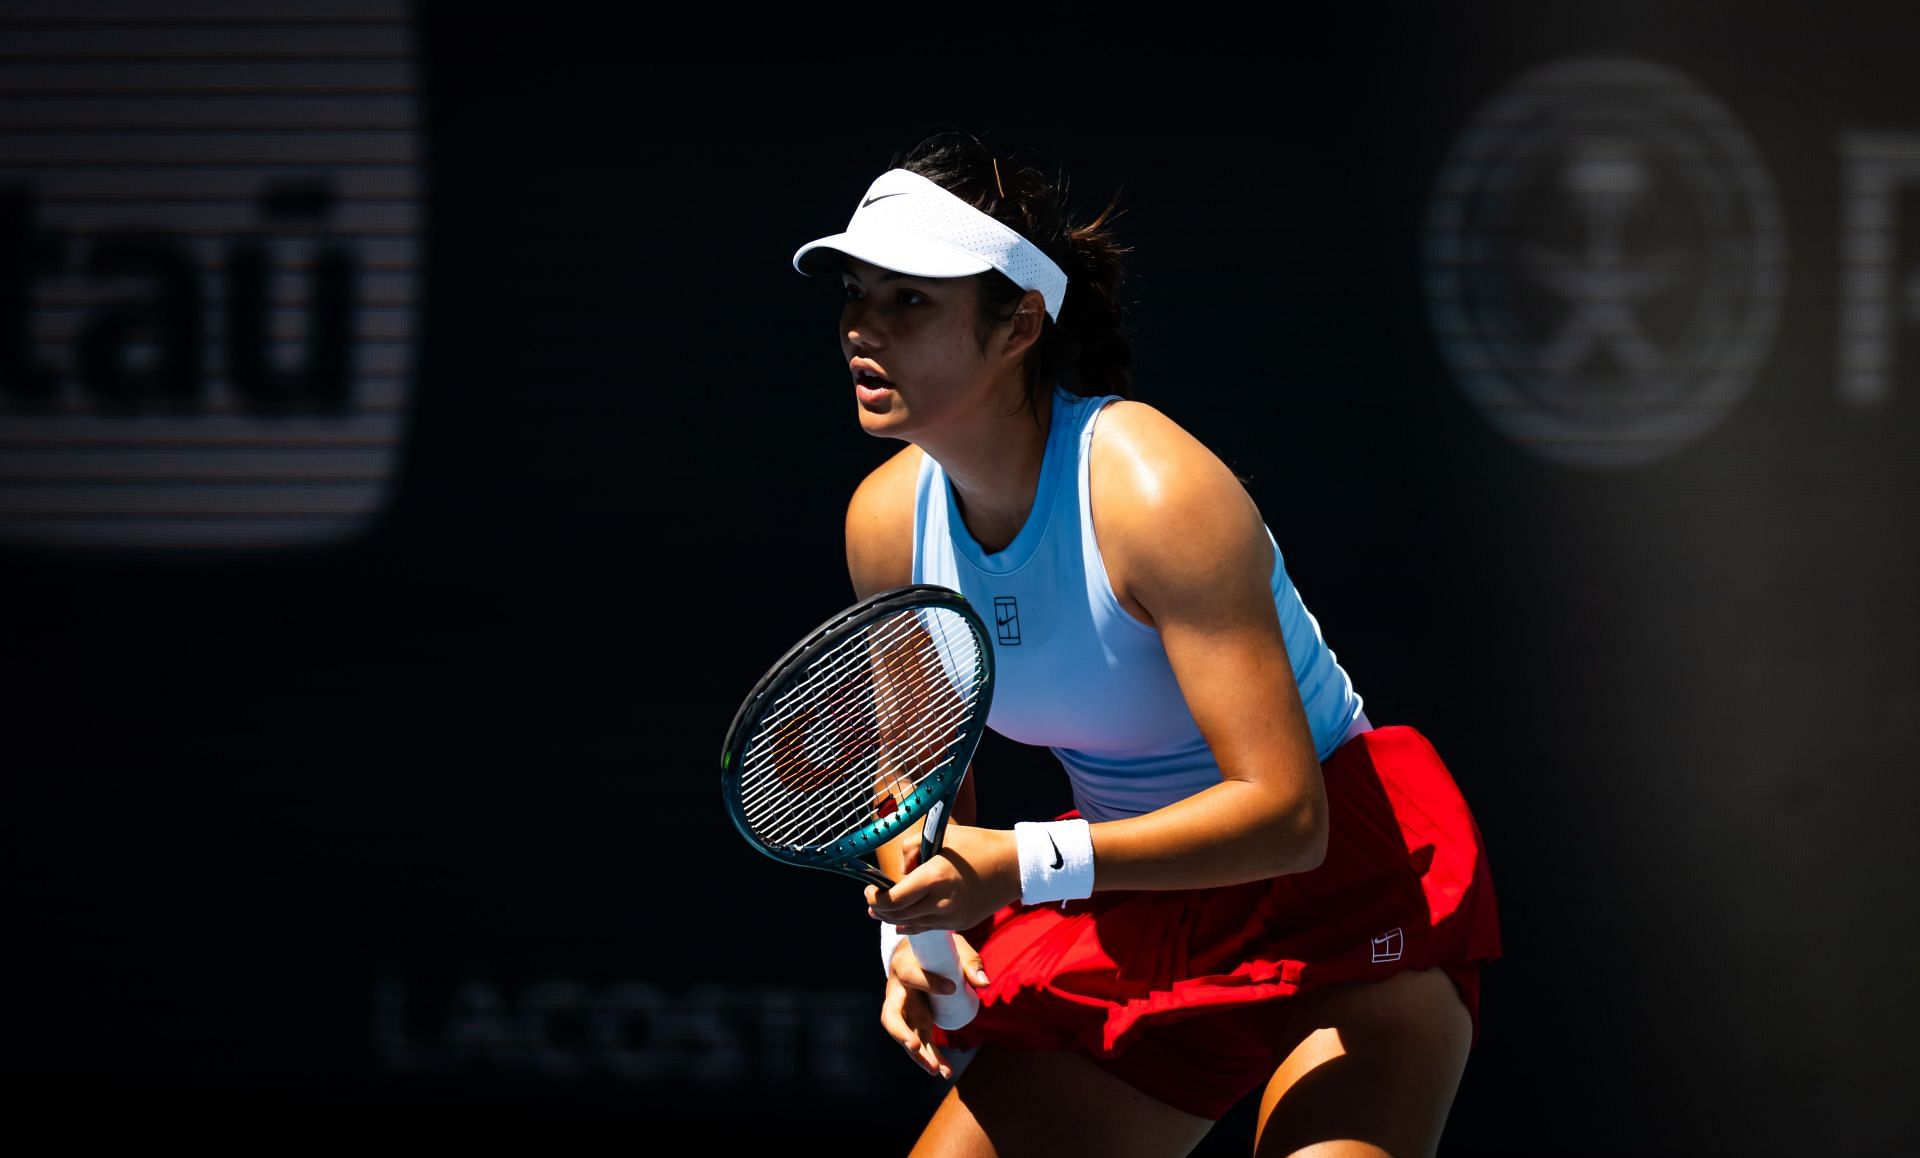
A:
x: 864, y: 727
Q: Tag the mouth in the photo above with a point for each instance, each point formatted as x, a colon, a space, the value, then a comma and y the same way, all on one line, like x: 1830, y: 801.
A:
x: 867, y: 374
x: 868, y: 384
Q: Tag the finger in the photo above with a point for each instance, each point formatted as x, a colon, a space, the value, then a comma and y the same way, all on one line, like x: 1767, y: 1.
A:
x: 898, y: 1015
x: 906, y: 967
x: 918, y: 919
x: 920, y: 1016
x: 970, y: 962
x: 913, y: 898
x: 933, y: 982
x: 900, y: 893
x: 893, y: 1018
x: 915, y: 918
x: 895, y: 897
x: 932, y: 921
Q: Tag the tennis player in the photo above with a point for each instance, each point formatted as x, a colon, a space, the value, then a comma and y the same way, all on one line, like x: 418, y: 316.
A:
x: 1258, y: 889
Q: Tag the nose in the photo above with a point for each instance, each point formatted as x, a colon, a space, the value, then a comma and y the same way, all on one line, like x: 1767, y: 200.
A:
x: 860, y: 327
x: 862, y: 337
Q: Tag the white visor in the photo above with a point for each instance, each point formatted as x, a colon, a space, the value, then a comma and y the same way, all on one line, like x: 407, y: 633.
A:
x: 910, y: 225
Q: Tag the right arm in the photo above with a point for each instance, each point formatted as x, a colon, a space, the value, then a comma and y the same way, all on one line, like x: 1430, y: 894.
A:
x: 880, y: 558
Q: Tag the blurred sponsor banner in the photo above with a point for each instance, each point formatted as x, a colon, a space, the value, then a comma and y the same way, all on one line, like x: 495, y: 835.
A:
x: 210, y: 271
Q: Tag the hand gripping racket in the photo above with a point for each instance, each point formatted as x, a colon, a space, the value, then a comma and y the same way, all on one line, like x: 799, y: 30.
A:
x: 862, y: 728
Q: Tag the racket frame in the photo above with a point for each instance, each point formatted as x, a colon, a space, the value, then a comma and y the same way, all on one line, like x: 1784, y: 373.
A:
x: 930, y: 798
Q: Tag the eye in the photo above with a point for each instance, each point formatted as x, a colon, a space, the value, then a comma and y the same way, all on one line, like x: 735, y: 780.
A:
x: 853, y: 292
x: 907, y: 297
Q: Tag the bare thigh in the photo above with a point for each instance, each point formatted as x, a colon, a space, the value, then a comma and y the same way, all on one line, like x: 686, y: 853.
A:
x: 1010, y: 1103
x: 1374, y: 1072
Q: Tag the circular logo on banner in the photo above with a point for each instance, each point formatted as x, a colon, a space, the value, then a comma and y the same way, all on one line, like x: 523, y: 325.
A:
x: 1605, y: 261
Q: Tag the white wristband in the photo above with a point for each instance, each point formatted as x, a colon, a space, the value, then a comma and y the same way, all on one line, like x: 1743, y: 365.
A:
x: 889, y: 937
x: 1056, y: 860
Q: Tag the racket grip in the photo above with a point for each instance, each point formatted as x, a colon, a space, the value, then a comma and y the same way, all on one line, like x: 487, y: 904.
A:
x: 936, y: 954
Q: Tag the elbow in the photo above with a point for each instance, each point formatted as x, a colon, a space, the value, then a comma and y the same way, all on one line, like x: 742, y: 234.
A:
x: 1305, y: 835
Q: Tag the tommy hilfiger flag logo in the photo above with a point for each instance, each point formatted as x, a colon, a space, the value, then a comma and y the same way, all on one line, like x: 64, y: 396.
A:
x: 1388, y: 946
x: 1006, y: 620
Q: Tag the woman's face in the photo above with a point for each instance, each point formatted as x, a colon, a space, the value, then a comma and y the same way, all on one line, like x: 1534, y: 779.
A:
x: 911, y: 348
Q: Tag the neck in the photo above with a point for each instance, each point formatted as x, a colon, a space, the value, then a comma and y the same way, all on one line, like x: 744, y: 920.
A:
x: 994, y: 467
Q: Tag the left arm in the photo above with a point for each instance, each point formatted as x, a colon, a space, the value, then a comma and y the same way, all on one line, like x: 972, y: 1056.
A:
x: 1187, y: 552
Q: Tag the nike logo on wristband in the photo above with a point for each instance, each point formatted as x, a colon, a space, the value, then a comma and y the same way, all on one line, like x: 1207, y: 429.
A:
x: 1058, y: 860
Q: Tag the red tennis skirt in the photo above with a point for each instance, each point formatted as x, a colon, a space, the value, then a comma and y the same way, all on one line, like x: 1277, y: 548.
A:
x: 1183, y: 993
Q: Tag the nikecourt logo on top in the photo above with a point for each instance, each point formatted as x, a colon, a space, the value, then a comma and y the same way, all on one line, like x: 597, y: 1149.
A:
x: 880, y: 197
x: 1058, y: 860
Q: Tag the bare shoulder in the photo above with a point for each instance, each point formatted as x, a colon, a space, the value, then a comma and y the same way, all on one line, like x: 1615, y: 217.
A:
x: 880, y: 525
x: 1170, y: 516
x: 1147, y: 468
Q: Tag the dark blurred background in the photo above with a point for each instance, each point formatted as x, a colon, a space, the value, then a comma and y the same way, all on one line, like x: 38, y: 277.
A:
x: 414, y: 441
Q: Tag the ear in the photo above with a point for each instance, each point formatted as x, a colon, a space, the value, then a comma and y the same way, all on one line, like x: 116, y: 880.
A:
x: 1023, y: 329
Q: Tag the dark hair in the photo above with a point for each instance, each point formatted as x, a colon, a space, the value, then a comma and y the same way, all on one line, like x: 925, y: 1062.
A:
x: 1087, y: 351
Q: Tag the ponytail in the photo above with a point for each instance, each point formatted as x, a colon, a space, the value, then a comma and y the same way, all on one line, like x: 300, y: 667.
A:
x: 1088, y: 351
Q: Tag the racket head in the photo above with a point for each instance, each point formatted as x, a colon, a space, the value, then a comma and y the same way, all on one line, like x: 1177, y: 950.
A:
x: 863, y: 727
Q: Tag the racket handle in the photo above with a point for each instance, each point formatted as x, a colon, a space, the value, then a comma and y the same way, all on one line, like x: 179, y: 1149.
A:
x: 936, y: 954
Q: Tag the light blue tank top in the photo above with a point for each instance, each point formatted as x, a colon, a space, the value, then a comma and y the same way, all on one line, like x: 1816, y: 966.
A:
x: 1073, y: 670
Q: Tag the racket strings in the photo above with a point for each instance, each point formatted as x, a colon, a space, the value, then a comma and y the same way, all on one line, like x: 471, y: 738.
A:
x: 835, y: 689
x: 815, y: 750
x: 900, y: 720
x: 870, y: 720
x: 846, y: 670
x: 921, y: 756
x: 841, y: 683
x: 910, y: 754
